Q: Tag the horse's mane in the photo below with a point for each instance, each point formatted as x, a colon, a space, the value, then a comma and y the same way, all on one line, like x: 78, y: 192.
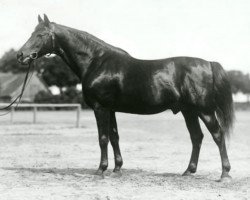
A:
x: 94, y: 40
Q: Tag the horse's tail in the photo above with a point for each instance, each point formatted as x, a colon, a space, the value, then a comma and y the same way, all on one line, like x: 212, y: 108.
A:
x: 223, y: 98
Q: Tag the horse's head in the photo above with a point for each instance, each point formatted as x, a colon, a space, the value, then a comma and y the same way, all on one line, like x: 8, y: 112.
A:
x: 40, y: 43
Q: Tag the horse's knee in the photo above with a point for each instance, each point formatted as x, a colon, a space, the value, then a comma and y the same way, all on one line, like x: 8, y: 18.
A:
x: 103, y: 140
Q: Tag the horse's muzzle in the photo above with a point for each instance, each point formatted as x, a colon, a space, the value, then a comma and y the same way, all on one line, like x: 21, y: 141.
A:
x: 28, y: 59
x: 19, y: 56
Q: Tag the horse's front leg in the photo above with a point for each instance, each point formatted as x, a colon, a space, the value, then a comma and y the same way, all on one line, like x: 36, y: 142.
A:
x: 114, y: 139
x: 103, y: 125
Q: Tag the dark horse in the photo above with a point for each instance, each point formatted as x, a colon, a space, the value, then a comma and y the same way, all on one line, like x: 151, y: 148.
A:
x: 113, y: 81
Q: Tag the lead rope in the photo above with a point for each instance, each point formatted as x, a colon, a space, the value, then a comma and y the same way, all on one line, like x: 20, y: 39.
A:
x: 19, y: 97
x: 26, y: 80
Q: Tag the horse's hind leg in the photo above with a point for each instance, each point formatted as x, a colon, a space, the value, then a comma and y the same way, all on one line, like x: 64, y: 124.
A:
x: 196, y: 136
x: 114, y: 139
x: 218, y: 136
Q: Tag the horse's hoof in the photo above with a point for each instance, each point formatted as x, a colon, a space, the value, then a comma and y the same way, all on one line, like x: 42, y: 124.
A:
x: 116, y: 174
x: 225, y: 179
x: 187, y: 173
x: 98, y: 175
x: 99, y: 172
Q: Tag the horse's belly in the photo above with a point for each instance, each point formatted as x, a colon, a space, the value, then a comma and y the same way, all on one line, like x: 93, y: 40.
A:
x: 141, y: 109
x: 141, y: 104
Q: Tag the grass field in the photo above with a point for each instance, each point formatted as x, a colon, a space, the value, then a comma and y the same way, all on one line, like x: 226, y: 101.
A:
x: 54, y: 160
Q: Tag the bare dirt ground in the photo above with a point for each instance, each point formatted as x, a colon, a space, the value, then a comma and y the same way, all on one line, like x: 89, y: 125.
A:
x: 55, y: 160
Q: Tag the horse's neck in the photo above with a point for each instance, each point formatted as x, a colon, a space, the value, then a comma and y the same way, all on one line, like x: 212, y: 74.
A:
x: 75, y: 49
x: 80, y: 49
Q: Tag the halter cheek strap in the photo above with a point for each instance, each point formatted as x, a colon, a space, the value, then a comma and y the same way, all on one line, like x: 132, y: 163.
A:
x: 57, y: 49
x: 53, y: 44
x: 53, y: 41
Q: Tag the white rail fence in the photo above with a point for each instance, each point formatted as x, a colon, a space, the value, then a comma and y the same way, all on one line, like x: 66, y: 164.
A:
x: 36, y: 106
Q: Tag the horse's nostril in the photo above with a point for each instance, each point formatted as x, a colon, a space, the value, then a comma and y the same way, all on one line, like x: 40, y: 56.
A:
x: 34, y: 55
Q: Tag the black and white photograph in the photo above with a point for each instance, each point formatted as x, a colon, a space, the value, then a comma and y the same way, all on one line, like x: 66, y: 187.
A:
x: 124, y: 100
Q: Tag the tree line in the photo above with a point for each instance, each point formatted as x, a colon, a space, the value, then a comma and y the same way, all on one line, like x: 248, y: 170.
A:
x: 55, y: 72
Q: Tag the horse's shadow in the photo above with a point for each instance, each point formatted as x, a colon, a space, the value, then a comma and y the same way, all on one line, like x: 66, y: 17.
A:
x: 56, y: 171
x: 128, y: 175
x: 87, y: 171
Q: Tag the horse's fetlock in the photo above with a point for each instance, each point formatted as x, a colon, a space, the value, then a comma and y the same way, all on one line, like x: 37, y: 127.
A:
x: 104, y: 166
x: 227, y: 166
x: 118, y: 161
x: 192, y: 167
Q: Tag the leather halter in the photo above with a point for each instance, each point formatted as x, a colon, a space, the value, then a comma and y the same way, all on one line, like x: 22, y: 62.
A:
x: 57, y: 49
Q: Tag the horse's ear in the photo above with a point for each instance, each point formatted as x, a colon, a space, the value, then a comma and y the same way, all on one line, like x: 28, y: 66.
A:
x: 46, y: 20
x: 40, y: 19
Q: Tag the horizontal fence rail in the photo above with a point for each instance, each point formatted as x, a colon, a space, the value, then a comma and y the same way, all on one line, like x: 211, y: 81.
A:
x: 50, y: 105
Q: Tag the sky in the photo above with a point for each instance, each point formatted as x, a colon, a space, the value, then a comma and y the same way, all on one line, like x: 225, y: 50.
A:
x: 215, y: 30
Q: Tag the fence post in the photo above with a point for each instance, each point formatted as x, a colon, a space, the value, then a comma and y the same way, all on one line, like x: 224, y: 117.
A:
x: 78, y: 111
x: 12, y: 114
x: 34, y: 114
